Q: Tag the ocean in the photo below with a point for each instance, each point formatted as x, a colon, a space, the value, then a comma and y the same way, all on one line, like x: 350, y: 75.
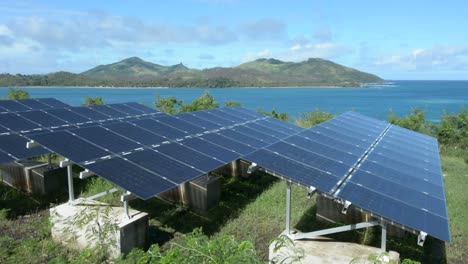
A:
x: 375, y: 100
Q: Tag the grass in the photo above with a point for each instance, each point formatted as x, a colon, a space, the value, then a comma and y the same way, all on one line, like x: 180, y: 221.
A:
x: 250, y: 209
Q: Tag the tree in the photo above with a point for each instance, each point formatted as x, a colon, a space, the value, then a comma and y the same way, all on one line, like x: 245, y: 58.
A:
x: 281, y: 116
x: 453, y: 129
x: 313, y: 118
x: 169, y: 105
x: 89, y: 101
x: 204, y: 102
x: 232, y: 103
x: 17, y: 94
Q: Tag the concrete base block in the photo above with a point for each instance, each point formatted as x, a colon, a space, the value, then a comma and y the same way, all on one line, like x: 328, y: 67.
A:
x: 34, y: 177
x: 325, y: 250
x: 90, y: 223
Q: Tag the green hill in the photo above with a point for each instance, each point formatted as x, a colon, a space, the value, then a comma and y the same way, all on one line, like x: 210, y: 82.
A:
x: 135, y: 72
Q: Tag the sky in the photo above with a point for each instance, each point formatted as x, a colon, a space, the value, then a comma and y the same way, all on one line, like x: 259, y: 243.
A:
x: 397, y: 40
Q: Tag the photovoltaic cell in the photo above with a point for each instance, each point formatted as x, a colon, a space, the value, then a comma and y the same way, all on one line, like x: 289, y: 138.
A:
x: 17, y: 123
x: 267, y: 130
x: 293, y: 170
x: 198, y: 121
x: 279, y: 128
x: 42, y: 118
x: 339, y: 134
x: 131, y: 177
x: 172, y: 121
x: 3, y: 130
x: 69, y: 146
x: 160, y: 128
x: 16, y: 146
x: 190, y: 157
x: 228, y: 143
x: 135, y: 133
x: 332, y: 142
x: 164, y: 166
x: 104, y: 109
x: 4, y: 158
x: 212, y: 118
x: 248, y: 140
x: 33, y: 104
x: 53, y: 103
x: 106, y: 139
x: 291, y: 128
x: 125, y: 109
x: 255, y: 134
x: 13, y: 106
x: 244, y: 111
x: 68, y: 115
x: 221, y: 114
x: 89, y: 113
x: 142, y: 108
x: 230, y: 111
x: 210, y: 149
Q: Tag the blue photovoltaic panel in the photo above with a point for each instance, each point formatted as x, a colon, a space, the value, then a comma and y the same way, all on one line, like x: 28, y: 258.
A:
x: 245, y: 111
x: 311, y: 159
x: 324, y: 150
x: 248, y: 140
x: 160, y: 128
x: 190, y: 157
x: 364, y: 134
x: 68, y: 115
x: 411, y: 158
x: 172, y: 121
x: 228, y: 143
x: 341, y: 135
x: 198, y: 121
x: 277, y: 127
x: 106, y: 139
x: 403, y: 165
x: 69, y: 146
x: 293, y: 170
x: 362, y: 128
x: 290, y: 127
x: 255, y: 134
x: 212, y: 118
x: 89, y: 113
x: 13, y: 106
x: 33, y: 104
x: 3, y: 129
x: 131, y: 177
x: 397, y: 211
x: 53, y: 103
x: 42, y: 118
x: 16, y: 146
x: 17, y: 123
x: 332, y: 142
x: 135, y: 133
x: 226, y: 115
x: 4, y: 158
x: 3, y: 110
x: 142, y: 108
x: 104, y: 109
x: 413, y: 145
x: 267, y: 130
x: 125, y: 109
x: 210, y: 149
x: 242, y: 116
x: 164, y: 166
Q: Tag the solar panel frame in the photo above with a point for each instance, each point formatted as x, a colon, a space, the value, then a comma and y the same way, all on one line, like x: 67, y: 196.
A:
x: 13, y: 106
x: 187, y: 117
x: 161, y: 129
x: 17, y: 123
x: 106, y: 139
x: 43, y: 119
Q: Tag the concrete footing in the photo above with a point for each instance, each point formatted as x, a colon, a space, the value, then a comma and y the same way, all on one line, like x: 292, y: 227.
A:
x: 92, y: 224
x: 34, y: 177
x: 325, y: 250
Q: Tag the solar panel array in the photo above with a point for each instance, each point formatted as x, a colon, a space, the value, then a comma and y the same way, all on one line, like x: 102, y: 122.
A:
x: 384, y: 169
x: 20, y: 119
x: 147, y: 156
x: 387, y: 170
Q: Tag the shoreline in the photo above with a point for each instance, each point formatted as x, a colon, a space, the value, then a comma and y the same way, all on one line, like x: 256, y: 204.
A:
x: 149, y: 88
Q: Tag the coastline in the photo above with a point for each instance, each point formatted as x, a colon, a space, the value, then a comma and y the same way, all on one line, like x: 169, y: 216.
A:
x: 149, y: 88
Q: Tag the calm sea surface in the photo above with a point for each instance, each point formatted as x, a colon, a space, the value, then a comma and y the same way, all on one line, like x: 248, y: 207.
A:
x: 434, y: 97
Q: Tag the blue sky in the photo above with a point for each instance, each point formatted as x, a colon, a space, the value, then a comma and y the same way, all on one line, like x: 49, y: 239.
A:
x: 393, y: 39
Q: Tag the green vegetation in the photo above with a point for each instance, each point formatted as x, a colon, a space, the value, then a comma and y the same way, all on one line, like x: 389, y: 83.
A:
x: 135, y: 72
x: 281, y: 116
x: 89, y: 101
x: 250, y: 214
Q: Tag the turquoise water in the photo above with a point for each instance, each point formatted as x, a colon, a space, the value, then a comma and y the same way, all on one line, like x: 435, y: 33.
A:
x: 434, y: 97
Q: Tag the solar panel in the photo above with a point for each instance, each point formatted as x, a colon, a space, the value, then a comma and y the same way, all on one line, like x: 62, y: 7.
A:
x: 142, y: 108
x: 241, y: 110
x: 53, y: 103
x: 255, y: 134
x: 339, y: 134
x: 266, y: 130
x: 212, y: 118
x: 175, y: 122
x: 104, y: 109
x: 89, y: 113
x: 3, y: 110
x: 68, y: 115
x: 164, y: 166
x: 332, y: 142
x: 43, y: 118
x: 33, y: 104
x: 15, y: 145
x: 226, y: 115
x: 135, y: 133
x: 160, y: 128
x: 210, y: 149
x: 13, y: 106
x: 125, y: 109
x: 232, y: 112
x: 3, y: 129
x: 248, y: 140
x: 198, y: 121
x: 190, y: 157
x: 228, y: 143
x: 17, y: 123
x: 297, y: 172
x: 131, y: 177
x: 106, y: 139
x: 69, y: 146
x: 290, y: 127
x: 4, y: 158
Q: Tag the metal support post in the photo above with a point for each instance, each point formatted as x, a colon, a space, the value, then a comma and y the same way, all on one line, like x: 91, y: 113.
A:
x: 314, y: 234
x: 126, y: 196
x: 49, y: 160
x: 71, y: 191
x: 383, y: 242
x: 288, y: 208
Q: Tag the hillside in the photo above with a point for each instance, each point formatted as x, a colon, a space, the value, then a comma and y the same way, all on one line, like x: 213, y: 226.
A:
x: 135, y: 72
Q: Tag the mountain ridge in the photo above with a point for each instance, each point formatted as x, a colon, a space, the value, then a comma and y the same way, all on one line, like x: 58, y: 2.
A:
x: 264, y: 72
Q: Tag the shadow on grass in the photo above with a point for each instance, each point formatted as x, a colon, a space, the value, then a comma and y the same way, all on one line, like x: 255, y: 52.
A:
x: 173, y: 219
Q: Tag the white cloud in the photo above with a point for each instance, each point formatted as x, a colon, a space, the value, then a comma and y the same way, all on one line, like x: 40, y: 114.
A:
x: 326, y: 50
x: 250, y: 56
